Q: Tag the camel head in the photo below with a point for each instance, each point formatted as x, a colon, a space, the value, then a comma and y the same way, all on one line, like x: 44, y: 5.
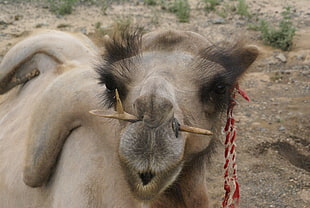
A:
x: 169, y: 90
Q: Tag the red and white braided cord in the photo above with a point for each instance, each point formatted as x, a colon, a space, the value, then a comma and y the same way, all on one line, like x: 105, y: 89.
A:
x: 231, y: 186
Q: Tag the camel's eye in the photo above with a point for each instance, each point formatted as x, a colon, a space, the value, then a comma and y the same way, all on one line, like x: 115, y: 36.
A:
x: 110, y: 87
x: 220, y: 89
x: 110, y: 84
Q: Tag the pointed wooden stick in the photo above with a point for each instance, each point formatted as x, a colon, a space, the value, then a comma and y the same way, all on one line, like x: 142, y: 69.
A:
x: 119, y: 106
x: 131, y: 118
x: 122, y: 115
x: 194, y: 130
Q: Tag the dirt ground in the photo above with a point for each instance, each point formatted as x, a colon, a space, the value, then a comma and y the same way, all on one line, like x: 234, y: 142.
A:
x: 273, y: 129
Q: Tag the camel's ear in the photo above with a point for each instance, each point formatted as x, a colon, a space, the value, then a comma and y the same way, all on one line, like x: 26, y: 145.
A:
x: 235, y: 59
x: 244, y: 56
x: 19, y: 65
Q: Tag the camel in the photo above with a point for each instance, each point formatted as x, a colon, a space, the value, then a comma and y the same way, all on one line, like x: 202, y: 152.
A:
x: 132, y: 124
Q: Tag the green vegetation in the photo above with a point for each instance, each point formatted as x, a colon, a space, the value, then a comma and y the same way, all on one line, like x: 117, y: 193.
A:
x: 242, y: 9
x: 155, y: 17
x: 211, y: 4
x: 119, y: 23
x: 150, y: 2
x: 280, y: 37
x: 65, y: 7
x: 225, y: 10
x: 182, y: 10
x: 63, y: 25
x: 276, y: 77
x: 122, y: 22
x: 104, y: 6
x: 62, y: 7
x: 180, y: 7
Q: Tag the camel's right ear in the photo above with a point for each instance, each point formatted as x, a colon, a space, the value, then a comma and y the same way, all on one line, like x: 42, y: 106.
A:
x: 19, y: 66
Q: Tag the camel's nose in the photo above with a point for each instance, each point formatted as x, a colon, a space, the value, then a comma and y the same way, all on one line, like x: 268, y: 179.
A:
x: 154, y: 110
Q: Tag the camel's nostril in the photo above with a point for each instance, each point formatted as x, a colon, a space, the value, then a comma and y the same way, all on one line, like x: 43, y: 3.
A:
x: 176, y: 127
x: 146, y: 177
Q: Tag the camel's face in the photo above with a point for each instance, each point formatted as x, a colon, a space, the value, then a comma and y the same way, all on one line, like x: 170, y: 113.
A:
x: 164, y: 89
x: 168, y: 81
x: 152, y: 150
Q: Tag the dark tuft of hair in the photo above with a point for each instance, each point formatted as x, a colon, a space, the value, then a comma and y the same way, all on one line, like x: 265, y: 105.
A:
x: 123, y: 44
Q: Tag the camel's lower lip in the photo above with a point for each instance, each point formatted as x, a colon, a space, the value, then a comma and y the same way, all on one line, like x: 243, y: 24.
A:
x: 146, y: 191
x: 148, y: 185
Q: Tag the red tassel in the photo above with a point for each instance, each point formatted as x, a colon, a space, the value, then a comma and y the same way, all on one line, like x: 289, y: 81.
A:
x: 226, y: 174
x: 226, y: 164
x: 243, y: 94
x: 227, y: 124
x: 226, y: 152
x: 232, y: 149
x: 236, y: 195
x: 230, y: 154
x: 232, y: 121
x: 227, y: 188
x: 227, y: 138
x: 233, y: 137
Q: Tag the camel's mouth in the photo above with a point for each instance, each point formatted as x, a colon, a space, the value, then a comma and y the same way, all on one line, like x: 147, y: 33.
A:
x: 151, y: 158
x: 146, y: 177
x: 148, y: 185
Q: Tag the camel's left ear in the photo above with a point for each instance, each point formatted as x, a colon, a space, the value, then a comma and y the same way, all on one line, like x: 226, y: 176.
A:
x: 245, y: 56
x: 235, y: 59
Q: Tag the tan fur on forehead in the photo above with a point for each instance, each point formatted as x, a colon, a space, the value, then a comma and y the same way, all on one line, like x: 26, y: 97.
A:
x: 171, y: 40
x: 127, y: 42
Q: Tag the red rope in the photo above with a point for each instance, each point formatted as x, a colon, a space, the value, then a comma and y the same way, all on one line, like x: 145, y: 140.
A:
x: 231, y: 186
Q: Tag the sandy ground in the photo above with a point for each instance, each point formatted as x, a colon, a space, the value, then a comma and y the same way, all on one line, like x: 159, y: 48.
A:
x: 273, y: 129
